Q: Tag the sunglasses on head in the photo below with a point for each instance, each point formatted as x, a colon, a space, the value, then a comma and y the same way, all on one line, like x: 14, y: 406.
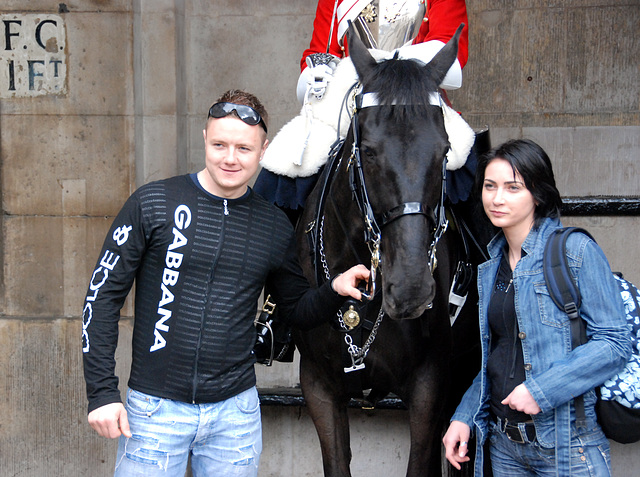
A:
x: 246, y: 113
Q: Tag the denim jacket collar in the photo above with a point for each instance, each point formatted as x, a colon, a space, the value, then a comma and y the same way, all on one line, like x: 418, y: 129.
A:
x: 536, y: 234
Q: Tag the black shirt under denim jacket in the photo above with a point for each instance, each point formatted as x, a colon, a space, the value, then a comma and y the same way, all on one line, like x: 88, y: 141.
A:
x: 505, y: 366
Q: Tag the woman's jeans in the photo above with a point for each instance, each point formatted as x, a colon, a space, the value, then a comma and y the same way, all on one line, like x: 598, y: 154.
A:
x: 590, y: 456
x: 223, y: 438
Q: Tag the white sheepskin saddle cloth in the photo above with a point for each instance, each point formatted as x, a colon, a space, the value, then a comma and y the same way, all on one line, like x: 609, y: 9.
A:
x: 302, y: 146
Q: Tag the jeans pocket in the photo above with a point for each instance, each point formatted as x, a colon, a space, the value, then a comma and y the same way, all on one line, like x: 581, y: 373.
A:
x: 545, y: 453
x: 248, y: 401
x: 142, y: 404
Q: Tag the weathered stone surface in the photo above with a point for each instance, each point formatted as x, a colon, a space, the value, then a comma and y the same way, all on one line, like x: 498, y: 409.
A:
x: 44, y: 429
x: 566, y: 65
x: 100, y: 55
x: 49, y: 261
x: 141, y: 76
x: 42, y: 151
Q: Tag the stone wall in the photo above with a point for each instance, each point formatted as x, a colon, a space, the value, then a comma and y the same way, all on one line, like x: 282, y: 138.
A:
x: 127, y: 105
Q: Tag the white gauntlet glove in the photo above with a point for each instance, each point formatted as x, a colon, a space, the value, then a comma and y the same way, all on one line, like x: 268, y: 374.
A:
x: 316, y: 76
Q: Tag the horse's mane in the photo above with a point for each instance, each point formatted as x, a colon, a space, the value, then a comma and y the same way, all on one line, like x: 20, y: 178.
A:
x: 402, y: 82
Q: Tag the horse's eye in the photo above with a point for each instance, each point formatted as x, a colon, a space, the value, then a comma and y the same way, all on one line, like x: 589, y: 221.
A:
x: 368, y: 153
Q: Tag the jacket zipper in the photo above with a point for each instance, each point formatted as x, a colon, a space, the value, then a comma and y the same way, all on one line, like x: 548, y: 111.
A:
x: 204, y: 311
x: 514, y: 351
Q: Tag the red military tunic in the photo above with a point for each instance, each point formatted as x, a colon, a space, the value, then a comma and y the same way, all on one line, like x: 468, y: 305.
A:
x: 440, y: 22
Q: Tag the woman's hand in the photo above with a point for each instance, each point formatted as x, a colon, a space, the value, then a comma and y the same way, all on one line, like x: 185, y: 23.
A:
x: 455, y: 443
x: 521, y: 400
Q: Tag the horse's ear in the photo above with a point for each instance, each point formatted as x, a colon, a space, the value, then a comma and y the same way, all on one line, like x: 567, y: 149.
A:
x: 442, y: 61
x: 360, y: 56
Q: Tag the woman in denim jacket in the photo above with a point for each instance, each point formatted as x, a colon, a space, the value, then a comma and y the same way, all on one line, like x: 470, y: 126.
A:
x: 522, y: 399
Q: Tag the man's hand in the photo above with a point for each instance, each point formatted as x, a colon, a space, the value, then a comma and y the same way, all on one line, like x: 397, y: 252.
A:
x: 110, y: 420
x: 456, y: 442
x: 521, y: 400
x: 346, y: 283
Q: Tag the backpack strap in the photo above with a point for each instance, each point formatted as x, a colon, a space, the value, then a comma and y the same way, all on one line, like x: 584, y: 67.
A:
x: 564, y: 292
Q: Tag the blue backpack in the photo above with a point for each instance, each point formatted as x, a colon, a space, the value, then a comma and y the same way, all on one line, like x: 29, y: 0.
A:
x: 618, y: 405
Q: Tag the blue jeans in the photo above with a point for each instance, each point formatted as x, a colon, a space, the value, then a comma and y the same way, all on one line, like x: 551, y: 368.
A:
x: 223, y: 438
x: 590, y: 456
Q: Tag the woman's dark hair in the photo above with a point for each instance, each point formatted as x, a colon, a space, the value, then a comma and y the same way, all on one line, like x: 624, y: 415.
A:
x: 534, y: 166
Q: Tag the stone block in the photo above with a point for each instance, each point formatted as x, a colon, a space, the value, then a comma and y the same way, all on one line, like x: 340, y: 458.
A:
x: 158, y: 57
x: 44, y: 400
x: 158, y: 156
x: 617, y: 236
x: 196, y: 124
x: 258, y: 8
x: 50, y: 261
x: 591, y: 161
x: 42, y: 151
x: 551, y: 67
x: 379, y: 443
x: 33, y: 262
x: 70, y: 6
x: 520, y: 69
x: 279, y: 374
x: 601, y: 46
x: 33, y: 55
x: 269, y: 66
x: 99, y: 80
x: 488, y: 5
x: 155, y: 6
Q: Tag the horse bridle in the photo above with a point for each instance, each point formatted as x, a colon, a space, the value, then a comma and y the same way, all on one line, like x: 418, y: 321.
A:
x: 372, y: 230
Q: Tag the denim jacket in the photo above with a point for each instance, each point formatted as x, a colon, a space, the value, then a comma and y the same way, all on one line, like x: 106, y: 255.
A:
x: 555, y: 373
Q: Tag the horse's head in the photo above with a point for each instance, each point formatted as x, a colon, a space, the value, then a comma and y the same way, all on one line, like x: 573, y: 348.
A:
x: 402, y: 143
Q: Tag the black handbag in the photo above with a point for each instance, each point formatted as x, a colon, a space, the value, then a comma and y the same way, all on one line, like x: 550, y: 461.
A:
x: 274, y: 341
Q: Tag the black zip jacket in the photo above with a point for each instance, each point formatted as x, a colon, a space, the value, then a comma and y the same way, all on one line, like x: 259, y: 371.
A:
x: 199, y: 263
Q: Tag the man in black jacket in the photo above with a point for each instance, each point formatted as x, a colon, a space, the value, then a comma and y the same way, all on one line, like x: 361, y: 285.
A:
x: 200, y: 247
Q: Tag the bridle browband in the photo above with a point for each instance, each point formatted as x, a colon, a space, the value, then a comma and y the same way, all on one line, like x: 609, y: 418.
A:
x: 372, y: 227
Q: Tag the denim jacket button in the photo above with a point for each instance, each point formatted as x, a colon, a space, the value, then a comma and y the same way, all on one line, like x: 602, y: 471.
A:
x: 522, y: 335
x: 527, y: 367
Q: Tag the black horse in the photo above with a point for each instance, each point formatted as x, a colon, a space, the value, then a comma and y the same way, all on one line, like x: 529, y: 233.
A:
x: 381, y: 200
